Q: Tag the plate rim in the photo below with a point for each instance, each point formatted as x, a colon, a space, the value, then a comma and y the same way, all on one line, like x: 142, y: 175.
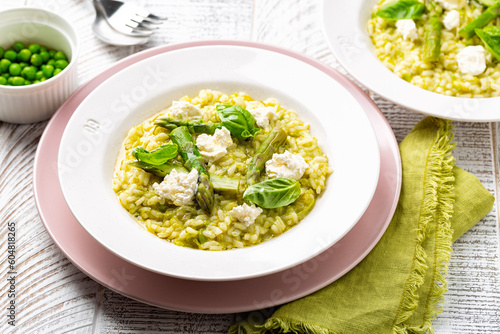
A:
x: 196, y: 308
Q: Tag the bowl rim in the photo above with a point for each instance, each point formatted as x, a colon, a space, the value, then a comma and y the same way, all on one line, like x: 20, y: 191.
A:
x: 74, y: 45
x: 218, y: 277
x: 354, y: 50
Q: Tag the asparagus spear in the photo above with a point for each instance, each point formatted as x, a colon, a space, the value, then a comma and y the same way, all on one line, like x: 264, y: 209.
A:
x: 193, y: 126
x: 193, y: 159
x: 269, y: 146
x: 432, y: 44
x: 220, y: 183
x: 433, y: 27
x: 482, y: 20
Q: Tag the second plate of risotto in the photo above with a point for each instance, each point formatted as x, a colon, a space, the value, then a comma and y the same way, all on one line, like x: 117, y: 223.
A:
x: 219, y: 162
x: 440, y: 58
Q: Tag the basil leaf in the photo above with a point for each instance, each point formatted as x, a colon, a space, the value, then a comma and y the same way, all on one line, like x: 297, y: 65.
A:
x: 402, y: 9
x: 159, y: 170
x: 238, y: 121
x: 490, y: 36
x: 273, y: 193
x: 156, y: 157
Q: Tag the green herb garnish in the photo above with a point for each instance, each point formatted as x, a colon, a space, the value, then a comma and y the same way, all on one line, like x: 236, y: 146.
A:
x: 156, y: 157
x: 490, y: 36
x: 273, y: 193
x: 401, y: 9
x: 238, y: 121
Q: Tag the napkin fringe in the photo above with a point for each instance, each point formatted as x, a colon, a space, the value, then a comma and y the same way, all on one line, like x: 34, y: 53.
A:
x: 437, y: 206
x: 276, y: 325
x: 279, y: 325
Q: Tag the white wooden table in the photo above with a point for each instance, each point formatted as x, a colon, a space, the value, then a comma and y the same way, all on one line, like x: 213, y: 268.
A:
x: 55, y: 297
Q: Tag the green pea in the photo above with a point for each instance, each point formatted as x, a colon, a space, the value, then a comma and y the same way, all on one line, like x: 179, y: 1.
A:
x: 18, y: 46
x: 9, y: 80
x: 23, y: 64
x: 56, y: 72
x: 36, y: 59
x: 52, y: 53
x: 15, y: 69
x: 10, y: 55
x: 34, y: 48
x: 60, y: 55
x: 5, y: 75
x: 17, y: 81
x: 27, y: 82
x: 43, y: 49
x: 43, y: 79
x: 24, y: 55
x: 38, y: 75
x: 2, y: 51
x: 51, y: 62
x: 3, y: 81
x: 61, y: 64
x: 28, y: 72
x: 4, y: 65
x: 45, y: 56
x: 48, y: 71
x: 36, y: 81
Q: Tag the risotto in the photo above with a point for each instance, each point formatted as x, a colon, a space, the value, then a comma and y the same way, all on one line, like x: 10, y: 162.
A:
x: 237, y: 199
x: 465, y: 62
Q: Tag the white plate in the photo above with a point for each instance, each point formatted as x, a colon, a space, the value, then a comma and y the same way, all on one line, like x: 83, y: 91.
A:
x: 93, y: 136
x: 345, y: 25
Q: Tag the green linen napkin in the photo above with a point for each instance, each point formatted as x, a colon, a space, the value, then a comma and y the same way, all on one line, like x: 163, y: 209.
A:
x: 399, y: 286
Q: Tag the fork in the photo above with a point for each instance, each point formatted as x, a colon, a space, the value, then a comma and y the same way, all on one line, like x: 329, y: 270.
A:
x: 129, y: 19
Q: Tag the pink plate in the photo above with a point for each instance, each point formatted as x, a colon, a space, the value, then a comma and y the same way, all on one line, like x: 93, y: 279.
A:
x: 201, y: 296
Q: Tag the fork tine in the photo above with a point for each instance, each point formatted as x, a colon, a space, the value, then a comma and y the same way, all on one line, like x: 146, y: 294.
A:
x: 145, y: 20
x: 145, y: 26
x: 139, y: 33
x: 137, y: 18
x: 144, y: 13
x: 155, y: 17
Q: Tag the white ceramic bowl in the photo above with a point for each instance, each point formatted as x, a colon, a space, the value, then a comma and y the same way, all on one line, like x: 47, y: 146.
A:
x: 37, y: 102
x: 94, y: 134
x: 345, y: 25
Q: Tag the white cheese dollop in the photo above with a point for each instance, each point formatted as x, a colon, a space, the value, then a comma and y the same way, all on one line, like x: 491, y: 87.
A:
x: 451, y: 19
x: 287, y: 165
x: 472, y: 60
x: 178, y: 187
x: 407, y: 29
x: 212, y: 148
x: 263, y: 115
x: 452, y: 4
x: 180, y: 109
x: 245, y: 213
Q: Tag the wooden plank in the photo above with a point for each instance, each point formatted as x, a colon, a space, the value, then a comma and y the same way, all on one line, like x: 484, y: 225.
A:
x: 46, y: 281
x: 123, y: 315
x: 200, y: 20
